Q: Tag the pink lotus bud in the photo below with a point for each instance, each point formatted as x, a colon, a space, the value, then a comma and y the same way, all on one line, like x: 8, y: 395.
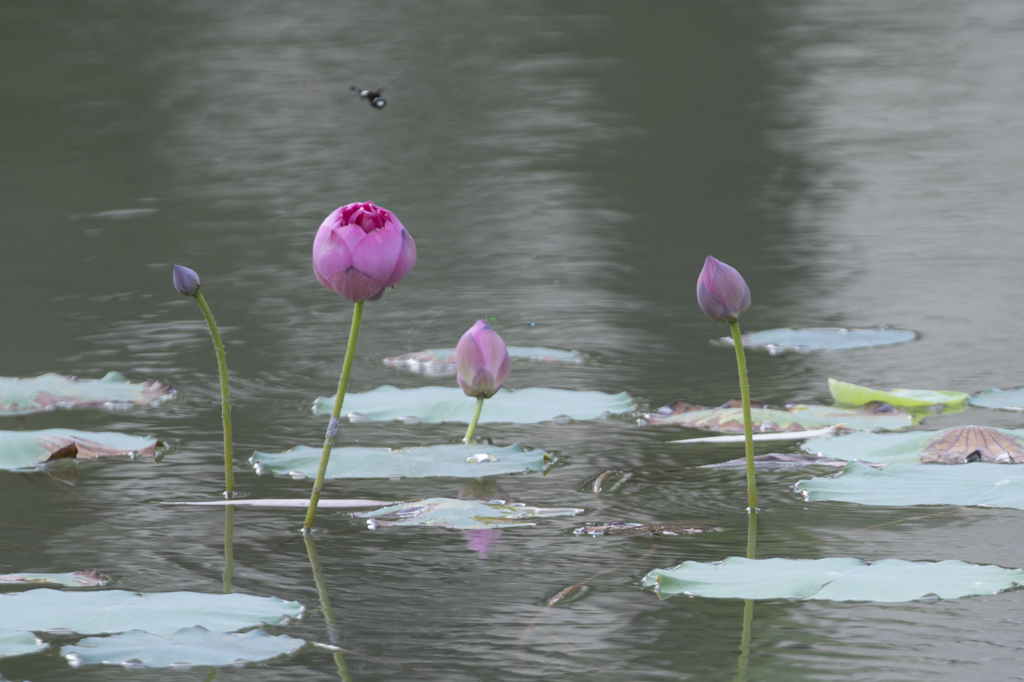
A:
x: 186, y: 280
x: 482, y: 361
x: 360, y: 250
x: 721, y: 291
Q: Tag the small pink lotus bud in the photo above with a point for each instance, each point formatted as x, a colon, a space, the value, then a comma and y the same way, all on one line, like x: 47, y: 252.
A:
x: 482, y: 361
x: 721, y: 291
x: 360, y: 250
x: 186, y: 280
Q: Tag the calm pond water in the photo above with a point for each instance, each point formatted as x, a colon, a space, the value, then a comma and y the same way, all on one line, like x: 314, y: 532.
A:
x: 565, y: 167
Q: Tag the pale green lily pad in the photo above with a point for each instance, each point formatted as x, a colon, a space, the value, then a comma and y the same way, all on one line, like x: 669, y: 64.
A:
x: 777, y: 341
x: 955, y: 445
x: 1011, y: 399
x: 19, y: 643
x: 979, y: 484
x: 187, y: 647
x: 76, y: 579
x: 456, y: 460
x: 436, y: 404
x: 30, y: 449
x: 833, y: 579
x: 844, y: 393
x: 729, y: 418
x: 440, y: 362
x: 443, y: 512
x: 50, y: 391
x: 161, y: 613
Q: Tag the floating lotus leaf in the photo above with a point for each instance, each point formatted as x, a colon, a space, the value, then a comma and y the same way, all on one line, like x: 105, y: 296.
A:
x: 833, y: 579
x: 778, y: 460
x: 436, y: 404
x: 50, y: 391
x: 456, y: 460
x: 956, y: 445
x: 160, y: 613
x: 978, y: 484
x: 29, y: 449
x: 440, y: 362
x: 627, y: 528
x: 186, y: 647
x: 729, y: 417
x: 445, y: 512
x: 1011, y: 399
x: 909, y: 398
x: 19, y: 643
x: 76, y: 579
x: 777, y: 341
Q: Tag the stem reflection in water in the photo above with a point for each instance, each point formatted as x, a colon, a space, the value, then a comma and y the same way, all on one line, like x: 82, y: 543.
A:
x: 325, y: 603
x: 748, y: 605
x: 229, y: 548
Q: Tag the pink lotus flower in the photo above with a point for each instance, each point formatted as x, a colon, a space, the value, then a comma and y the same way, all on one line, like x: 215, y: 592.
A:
x: 482, y: 361
x: 360, y: 250
x: 721, y: 291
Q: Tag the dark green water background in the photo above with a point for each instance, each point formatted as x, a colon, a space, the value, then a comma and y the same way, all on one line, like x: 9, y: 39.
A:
x: 564, y: 164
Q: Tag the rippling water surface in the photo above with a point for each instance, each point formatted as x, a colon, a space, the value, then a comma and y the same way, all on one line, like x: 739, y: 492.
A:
x: 565, y: 168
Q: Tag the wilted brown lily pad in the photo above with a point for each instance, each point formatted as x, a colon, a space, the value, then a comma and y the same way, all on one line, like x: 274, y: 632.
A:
x: 729, y: 417
x: 29, y: 449
x: 957, y: 445
x: 51, y: 391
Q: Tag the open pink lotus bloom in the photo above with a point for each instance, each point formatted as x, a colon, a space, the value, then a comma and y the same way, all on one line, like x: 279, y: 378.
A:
x: 360, y: 250
x: 721, y: 291
x: 482, y: 361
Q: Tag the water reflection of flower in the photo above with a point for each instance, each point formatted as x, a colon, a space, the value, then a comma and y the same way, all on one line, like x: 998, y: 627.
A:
x: 483, y: 540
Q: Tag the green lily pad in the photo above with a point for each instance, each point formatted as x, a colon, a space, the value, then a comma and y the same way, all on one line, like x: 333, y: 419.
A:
x: 844, y: 393
x: 956, y: 445
x: 455, y: 460
x: 440, y: 362
x: 161, y: 613
x: 978, y: 484
x: 1011, y: 399
x: 29, y: 449
x: 777, y: 341
x: 19, y: 643
x: 436, y: 404
x: 76, y: 579
x: 833, y: 579
x: 729, y: 417
x: 443, y: 512
x: 187, y: 647
x: 50, y: 391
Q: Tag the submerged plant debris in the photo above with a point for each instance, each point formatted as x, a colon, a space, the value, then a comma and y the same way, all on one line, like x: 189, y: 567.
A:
x: 444, y: 512
x: 779, y: 460
x: 440, y: 362
x: 30, y: 449
x: 74, y: 579
x: 834, y: 579
x: 630, y: 528
x: 955, y: 445
x: 436, y: 404
x: 778, y: 341
x: 844, y: 393
x: 51, y: 391
x: 729, y: 417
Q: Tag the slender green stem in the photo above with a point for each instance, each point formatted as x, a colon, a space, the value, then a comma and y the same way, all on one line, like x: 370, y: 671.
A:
x: 225, y: 397
x: 332, y: 427
x: 468, y: 438
x: 748, y: 433
x: 229, y: 547
x: 325, y: 604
